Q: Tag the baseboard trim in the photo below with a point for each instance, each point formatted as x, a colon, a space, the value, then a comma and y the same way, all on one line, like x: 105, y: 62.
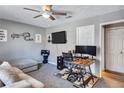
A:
x: 114, y: 72
x: 53, y: 63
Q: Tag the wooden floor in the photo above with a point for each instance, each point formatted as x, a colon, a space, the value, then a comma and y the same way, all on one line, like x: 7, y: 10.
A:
x: 113, y: 80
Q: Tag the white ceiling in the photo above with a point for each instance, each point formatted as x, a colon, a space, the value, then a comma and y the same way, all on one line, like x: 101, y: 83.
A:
x: 17, y: 13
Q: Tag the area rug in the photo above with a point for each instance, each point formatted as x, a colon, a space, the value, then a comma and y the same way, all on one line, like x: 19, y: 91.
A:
x: 64, y: 75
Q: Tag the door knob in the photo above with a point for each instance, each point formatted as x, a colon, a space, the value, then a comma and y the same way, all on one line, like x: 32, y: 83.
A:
x: 121, y: 52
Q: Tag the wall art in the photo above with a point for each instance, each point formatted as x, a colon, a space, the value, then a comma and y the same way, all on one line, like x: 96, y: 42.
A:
x: 25, y: 35
x: 38, y: 38
x: 3, y: 35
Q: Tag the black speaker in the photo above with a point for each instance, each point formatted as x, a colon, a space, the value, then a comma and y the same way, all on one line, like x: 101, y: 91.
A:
x: 60, y: 63
x: 45, y: 54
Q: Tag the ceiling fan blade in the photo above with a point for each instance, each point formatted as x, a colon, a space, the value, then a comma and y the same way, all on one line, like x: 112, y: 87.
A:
x: 37, y: 16
x: 32, y: 10
x: 52, y: 18
x: 47, y: 8
x: 59, y: 13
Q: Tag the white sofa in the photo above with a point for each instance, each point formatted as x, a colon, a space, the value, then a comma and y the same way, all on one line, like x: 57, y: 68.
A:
x: 22, y: 80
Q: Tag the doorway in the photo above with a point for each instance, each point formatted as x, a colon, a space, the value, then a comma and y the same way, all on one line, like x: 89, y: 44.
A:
x: 116, y: 24
x: 114, y: 47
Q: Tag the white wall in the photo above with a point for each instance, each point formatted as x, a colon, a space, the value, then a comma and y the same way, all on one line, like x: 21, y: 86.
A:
x: 57, y: 49
x: 19, y: 48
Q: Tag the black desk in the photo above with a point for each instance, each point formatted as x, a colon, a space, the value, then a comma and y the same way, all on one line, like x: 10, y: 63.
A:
x: 81, y: 65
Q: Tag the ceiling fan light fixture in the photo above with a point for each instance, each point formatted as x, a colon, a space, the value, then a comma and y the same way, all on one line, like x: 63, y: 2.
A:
x: 45, y: 15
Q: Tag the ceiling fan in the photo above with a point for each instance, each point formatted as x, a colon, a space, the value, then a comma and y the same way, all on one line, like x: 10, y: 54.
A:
x: 48, y: 12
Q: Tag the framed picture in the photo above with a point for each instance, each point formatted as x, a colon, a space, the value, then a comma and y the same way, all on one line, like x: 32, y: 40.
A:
x: 38, y: 38
x: 3, y: 35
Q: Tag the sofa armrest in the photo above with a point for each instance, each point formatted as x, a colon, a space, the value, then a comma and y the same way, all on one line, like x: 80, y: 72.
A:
x: 34, y: 83
x: 28, y: 79
x: 19, y: 84
x: 16, y: 70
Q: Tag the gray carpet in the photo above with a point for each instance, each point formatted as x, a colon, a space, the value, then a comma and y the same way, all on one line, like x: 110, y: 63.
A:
x: 46, y: 75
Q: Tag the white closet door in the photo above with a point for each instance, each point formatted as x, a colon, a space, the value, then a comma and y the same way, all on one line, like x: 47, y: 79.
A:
x: 114, y: 50
x: 85, y: 35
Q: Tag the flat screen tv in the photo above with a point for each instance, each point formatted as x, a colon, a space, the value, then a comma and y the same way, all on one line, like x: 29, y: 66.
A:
x: 59, y: 37
x: 91, y: 50
x: 81, y: 49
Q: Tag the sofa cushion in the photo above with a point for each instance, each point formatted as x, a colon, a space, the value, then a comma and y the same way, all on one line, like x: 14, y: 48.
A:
x: 7, y: 75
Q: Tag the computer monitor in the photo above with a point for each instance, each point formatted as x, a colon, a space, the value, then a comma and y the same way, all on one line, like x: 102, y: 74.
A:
x: 90, y: 50
x: 81, y: 49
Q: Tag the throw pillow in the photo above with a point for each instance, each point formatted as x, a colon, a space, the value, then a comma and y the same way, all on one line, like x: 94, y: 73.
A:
x: 5, y: 65
x: 7, y: 75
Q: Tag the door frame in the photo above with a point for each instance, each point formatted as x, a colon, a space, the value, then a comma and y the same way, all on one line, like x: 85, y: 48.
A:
x: 102, y: 41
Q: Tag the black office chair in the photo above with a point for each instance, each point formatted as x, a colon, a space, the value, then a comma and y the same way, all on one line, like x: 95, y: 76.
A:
x: 45, y: 54
x: 68, y: 60
x: 67, y: 56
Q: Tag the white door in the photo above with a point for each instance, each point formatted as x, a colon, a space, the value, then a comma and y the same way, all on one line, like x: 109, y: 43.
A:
x: 114, y: 49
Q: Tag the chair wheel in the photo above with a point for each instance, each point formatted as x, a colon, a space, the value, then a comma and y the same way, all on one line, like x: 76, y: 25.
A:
x: 72, y: 77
